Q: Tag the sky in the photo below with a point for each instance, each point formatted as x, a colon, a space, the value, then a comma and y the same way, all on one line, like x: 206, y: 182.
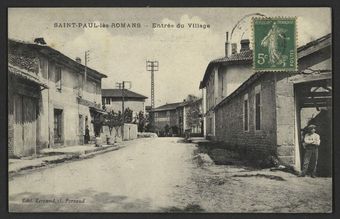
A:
x: 183, y: 53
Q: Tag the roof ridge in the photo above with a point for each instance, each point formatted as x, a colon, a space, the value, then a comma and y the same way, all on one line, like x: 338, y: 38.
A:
x: 58, y: 52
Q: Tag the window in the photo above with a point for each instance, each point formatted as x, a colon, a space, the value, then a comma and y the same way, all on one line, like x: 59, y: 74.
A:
x: 58, y: 78
x: 258, y: 108
x: 246, y: 113
x: 168, y: 114
x: 108, y: 100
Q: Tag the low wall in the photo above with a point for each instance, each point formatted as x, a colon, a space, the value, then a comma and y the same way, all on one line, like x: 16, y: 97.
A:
x: 130, y: 133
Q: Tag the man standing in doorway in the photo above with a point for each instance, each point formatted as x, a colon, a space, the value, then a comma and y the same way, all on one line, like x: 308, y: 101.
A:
x: 311, y: 146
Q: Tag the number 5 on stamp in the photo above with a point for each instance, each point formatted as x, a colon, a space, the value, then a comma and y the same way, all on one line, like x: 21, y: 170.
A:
x: 274, y: 43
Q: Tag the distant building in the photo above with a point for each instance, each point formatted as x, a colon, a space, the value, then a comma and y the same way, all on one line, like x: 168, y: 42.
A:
x: 166, y: 116
x: 112, y: 99
x: 190, y: 112
x: 173, y: 116
x: 50, y: 103
x: 148, y: 109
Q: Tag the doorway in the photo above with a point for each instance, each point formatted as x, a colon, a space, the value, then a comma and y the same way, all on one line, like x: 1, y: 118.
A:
x: 25, y: 122
x: 314, y: 102
x: 58, y: 127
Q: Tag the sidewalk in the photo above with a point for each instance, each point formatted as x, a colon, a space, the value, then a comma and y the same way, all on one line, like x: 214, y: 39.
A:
x: 57, y: 155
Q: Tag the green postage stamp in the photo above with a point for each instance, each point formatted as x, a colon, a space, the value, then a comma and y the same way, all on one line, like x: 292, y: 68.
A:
x: 274, y: 44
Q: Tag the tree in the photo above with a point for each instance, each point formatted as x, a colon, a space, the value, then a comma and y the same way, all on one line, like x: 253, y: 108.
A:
x: 113, y: 120
x: 98, y: 122
x: 149, y: 123
x: 141, y: 121
x: 193, y: 114
x: 128, y: 117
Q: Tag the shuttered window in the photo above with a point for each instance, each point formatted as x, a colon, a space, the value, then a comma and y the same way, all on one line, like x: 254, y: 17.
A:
x: 246, y: 113
x: 58, y: 78
x: 258, y: 108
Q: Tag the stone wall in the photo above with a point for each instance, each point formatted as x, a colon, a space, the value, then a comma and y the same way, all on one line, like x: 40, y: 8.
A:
x: 229, y: 120
x: 285, y: 119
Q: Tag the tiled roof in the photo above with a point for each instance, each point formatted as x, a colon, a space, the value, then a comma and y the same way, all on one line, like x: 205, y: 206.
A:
x: 52, y: 53
x: 241, y: 57
x: 315, y: 42
x: 118, y: 93
x: 169, y: 106
x: 172, y: 106
x: 22, y: 73
x: 28, y: 61
x: 302, y: 77
x: 246, y: 55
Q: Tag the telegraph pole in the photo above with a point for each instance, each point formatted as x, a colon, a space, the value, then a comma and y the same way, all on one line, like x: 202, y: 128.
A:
x: 121, y: 86
x: 152, y: 66
x: 87, y: 59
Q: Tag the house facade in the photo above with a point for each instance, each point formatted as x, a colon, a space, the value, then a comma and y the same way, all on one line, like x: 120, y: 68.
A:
x: 166, y: 116
x: 221, y: 78
x: 112, y: 99
x: 55, y: 101
x: 175, y: 117
x: 267, y: 113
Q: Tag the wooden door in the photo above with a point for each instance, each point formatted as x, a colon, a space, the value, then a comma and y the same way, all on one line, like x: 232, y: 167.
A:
x: 25, y: 116
x: 29, y: 126
x: 18, y: 141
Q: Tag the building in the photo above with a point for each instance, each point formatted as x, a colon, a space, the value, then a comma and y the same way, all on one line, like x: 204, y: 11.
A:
x: 112, y: 99
x: 190, y: 114
x: 50, y: 100
x: 166, y: 119
x: 221, y: 78
x: 267, y: 113
x: 172, y: 118
x: 148, y: 109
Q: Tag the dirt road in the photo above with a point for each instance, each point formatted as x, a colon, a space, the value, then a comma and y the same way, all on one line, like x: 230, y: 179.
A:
x: 161, y: 174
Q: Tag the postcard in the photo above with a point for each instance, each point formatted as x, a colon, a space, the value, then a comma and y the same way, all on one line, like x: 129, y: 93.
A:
x: 170, y: 110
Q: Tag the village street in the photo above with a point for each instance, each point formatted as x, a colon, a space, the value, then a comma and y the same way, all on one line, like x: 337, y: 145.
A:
x: 162, y: 175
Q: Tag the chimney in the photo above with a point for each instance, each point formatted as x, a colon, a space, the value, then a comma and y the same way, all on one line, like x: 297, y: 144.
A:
x: 40, y: 41
x: 233, y: 48
x: 244, y: 45
x: 78, y: 60
x: 227, y: 44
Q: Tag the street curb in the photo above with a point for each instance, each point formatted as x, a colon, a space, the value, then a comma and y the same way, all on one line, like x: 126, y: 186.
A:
x: 95, y: 152
x: 64, y: 158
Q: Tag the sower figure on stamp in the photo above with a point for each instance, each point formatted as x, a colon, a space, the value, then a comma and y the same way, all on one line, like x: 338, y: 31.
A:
x: 311, y: 146
x: 271, y: 40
